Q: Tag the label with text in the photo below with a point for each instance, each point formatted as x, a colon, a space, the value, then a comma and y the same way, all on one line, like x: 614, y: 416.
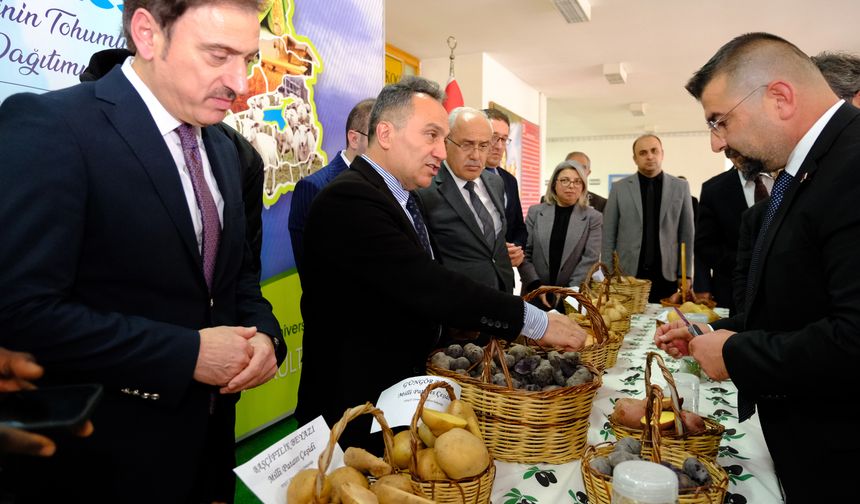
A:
x: 400, y: 400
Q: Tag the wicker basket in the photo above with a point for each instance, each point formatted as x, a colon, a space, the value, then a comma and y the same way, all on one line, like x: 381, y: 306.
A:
x: 638, y: 290
x: 603, y: 295
x: 598, y: 486
x: 706, y: 443
x: 528, y: 427
x: 594, y: 289
x: 337, y: 430
x: 598, y: 353
x: 474, y: 490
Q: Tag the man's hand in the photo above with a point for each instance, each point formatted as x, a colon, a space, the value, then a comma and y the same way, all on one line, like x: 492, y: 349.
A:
x: 261, y: 368
x: 708, y: 350
x: 16, y: 371
x: 561, y: 332
x: 224, y: 352
x: 515, y: 252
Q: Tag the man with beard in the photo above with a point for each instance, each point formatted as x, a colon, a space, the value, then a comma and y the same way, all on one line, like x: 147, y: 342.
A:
x: 723, y: 199
x: 764, y: 98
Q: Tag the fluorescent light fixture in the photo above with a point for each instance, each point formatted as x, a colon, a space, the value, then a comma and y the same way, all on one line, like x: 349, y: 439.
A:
x: 574, y: 11
x: 638, y: 108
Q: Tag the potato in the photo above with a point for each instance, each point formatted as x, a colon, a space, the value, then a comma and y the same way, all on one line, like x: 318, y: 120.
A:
x: 399, y: 480
x: 428, y: 468
x: 357, y: 494
x: 689, y: 307
x: 460, y: 454
x: 427, y: 437
x: 464, y: 410
x: 693, y: 423
x: 440, y: 422
x: 402, y: 451
x: 366, y: 462
x: 301, y: 489
x: 628, y: 411
x: 613, y: 314
x: 667, y: 419
x: 341, y: 475
x: 392, y: 495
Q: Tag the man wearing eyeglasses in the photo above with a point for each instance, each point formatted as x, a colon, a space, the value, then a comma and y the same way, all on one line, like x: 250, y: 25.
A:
x: 764, y: 98
x: 516, y: 235
x: 308, y: 187
x: 647, y: 217
x: 464, y: 205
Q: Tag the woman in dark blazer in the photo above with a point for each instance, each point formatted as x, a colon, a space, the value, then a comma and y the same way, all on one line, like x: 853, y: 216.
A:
x: 564, y: 233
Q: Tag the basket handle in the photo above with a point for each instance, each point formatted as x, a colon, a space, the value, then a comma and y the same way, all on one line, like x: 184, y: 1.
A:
x: 337, y: 430
x: 601, y: 333
x: 419, y: 410
x: 493, y: 348
x: 673, y: 390
x: 616, y: 267
x: 653, y: 410
x: 586, y: 281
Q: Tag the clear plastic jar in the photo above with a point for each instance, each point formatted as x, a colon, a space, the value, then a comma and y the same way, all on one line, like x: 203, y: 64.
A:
x: 641, y: 482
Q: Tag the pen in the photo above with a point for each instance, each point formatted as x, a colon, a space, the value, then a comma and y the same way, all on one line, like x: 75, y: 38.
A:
x: 694, y: 330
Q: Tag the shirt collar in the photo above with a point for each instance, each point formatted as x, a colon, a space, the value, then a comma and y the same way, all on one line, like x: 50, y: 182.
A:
x: 801, y: 150
x: 397, y: 190
x: 460, y: 182
x: 163, y: 120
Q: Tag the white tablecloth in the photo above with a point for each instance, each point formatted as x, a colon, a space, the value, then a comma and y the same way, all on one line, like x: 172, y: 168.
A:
x: 742, y: 452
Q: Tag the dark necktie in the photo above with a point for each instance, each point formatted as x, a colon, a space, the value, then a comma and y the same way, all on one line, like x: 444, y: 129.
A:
x: 483, y: 215
x: 418, y: 223
x: 205, y: 201
x: 760, y: 189
x: 649, y: 211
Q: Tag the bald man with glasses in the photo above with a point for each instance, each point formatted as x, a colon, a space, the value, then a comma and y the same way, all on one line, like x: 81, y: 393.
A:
x: 464, y: 205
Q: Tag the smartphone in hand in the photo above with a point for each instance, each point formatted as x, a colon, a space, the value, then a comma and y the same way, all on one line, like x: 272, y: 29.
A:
x: 49, y: 408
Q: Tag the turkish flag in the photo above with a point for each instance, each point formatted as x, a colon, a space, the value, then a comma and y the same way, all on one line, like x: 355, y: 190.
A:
x: 453, y: 96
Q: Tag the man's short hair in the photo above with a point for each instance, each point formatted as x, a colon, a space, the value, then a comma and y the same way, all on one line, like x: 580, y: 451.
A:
x: 358, y: 117
x: 842, y: 71
x: 497, y: 114
x: 570, y: 156
x: 394, y: 103
x: 732, y: 56
x: 166, y: 12
x: 646, y: 135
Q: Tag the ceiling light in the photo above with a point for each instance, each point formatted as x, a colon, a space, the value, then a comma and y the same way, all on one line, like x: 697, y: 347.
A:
x: 615, y: 73
x: 574, y: 11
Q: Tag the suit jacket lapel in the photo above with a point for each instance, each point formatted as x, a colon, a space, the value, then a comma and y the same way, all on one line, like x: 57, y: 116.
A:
x: 634, y: 194
x: 546, y: 216
x: 575, y: 230
x: 125, y: 112
x: 804, y: 176
x: 223, y: 159
x: 447, y: 187
x: 668, y: 193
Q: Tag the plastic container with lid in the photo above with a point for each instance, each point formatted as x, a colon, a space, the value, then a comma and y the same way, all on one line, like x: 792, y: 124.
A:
x: 641, y: 482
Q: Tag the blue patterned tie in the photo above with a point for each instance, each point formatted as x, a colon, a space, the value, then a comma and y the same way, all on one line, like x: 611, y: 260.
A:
x: 783, y: 182
x: 418, y: 222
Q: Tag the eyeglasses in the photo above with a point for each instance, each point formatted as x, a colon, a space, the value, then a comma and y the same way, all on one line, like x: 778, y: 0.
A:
x: 468, y: 147
x: 566, y: 182
x: 495, y: 139
x: 360, y: 132
x: 717, y: 127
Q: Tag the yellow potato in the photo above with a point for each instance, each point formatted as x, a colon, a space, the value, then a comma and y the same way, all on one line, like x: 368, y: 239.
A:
x: 301, y: 489
x: 428, y: 468
x: 341, y: 475
x: 464, y: 410
x: 356, y: 494
x: 440, y: 423
x: 391, y: 495
x: 460, y: 454
x: 427, y: 437
x: 399, y: 480
x: 402, y: 450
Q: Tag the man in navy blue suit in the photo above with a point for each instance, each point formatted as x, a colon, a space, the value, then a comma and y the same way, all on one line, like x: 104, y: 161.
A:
x: 308, y: 187
x: 138, y: 273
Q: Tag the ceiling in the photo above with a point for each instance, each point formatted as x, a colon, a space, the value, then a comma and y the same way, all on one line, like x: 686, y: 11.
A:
x: 660, y: 42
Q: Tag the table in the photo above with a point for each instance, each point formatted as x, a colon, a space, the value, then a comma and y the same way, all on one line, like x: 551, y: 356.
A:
x: 742, y: 452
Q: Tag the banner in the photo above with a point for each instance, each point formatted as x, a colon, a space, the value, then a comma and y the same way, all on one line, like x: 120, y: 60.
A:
x: 317, y: 60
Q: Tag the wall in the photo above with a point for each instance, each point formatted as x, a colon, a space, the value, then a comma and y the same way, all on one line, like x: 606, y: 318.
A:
x: 468, y: 69
x: 685, y: 153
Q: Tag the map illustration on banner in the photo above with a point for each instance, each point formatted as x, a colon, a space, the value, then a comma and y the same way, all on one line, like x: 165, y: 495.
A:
x: 278, y: 113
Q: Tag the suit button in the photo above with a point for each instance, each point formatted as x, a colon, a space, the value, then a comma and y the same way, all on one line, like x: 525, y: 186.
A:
x: 211, y: 302
x: 483, y: 320
x: 498, y: 324
x: 505, y: 325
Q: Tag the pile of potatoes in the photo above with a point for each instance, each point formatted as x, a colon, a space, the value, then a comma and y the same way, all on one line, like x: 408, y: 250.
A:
x: 630, y: 413
x: 691, y: 307
x: 691, y: 474
x: 611, y: 311
x: 350, y: 484
x: 451, y: 446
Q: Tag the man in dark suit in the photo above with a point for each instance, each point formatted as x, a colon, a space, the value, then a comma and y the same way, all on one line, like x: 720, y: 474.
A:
x: 766, y: 100
x: 138, y: 273
x: 595, y: 201
x: 516, y: 235
x: 308, y: 187
x: 463, y: 206
x: 367, y: 230
x: 724, y: 198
